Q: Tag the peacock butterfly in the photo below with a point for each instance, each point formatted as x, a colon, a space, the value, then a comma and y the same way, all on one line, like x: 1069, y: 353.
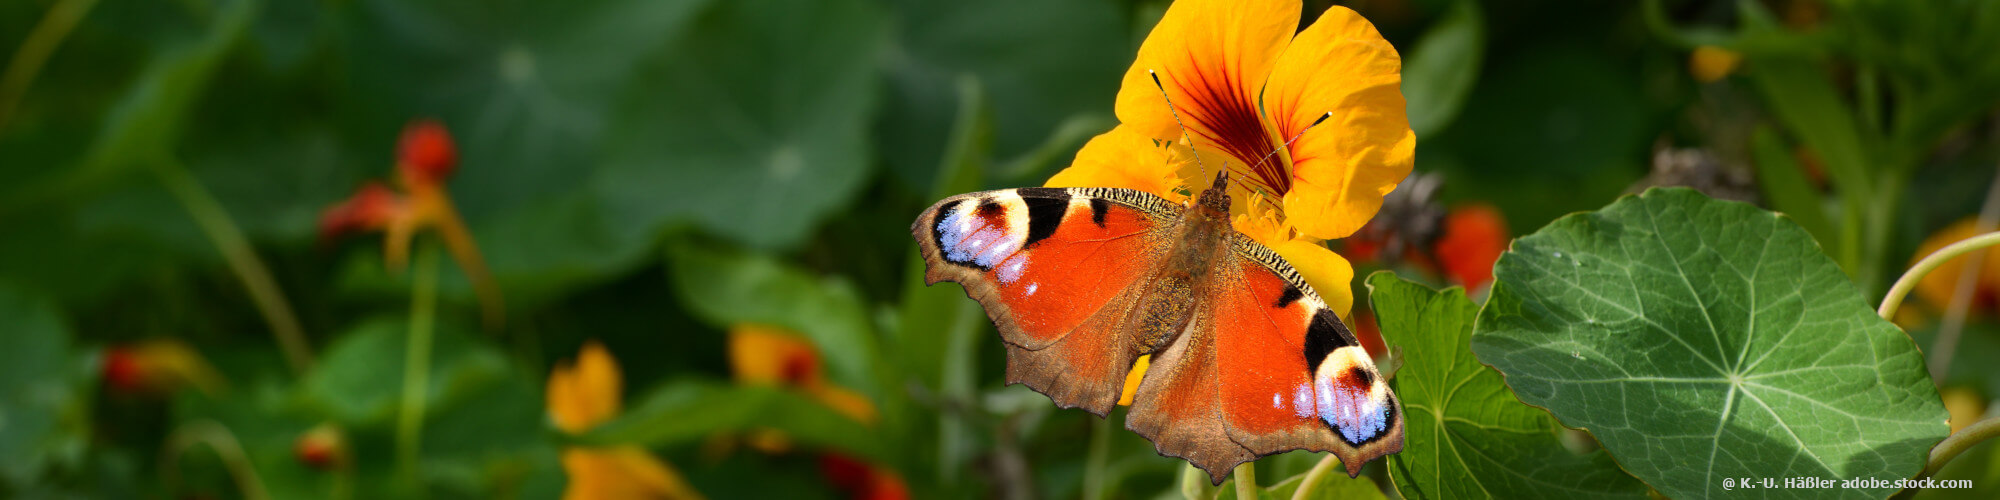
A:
x: 1247, y: 360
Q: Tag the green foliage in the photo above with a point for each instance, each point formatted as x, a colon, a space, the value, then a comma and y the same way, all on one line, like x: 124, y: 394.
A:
x: 1701, y: 340
x: 1465, y: 434
x: 43, y: 397
x: 652, y: 174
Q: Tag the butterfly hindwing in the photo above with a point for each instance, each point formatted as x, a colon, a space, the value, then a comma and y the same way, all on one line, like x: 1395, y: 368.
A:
x: 1265, y: 368
x: 1058, y: 271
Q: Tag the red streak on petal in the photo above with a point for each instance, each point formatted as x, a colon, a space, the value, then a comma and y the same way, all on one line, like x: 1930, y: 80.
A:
x: 1233, y: 123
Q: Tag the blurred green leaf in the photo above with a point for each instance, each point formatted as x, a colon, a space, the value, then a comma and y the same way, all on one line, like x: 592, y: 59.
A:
x: 359, y: 380
x: 1700, y: 339
x: 758, y: 132
x: 1785, y: 185
x: 1469, y: 436
x: 149, y: 120
x: 1440, y: 72
x: 727, y: 288
x: 43, y: 398
x: 686, y: 411
x: 1058, y: 60
x: 938, y: 330
x: 1804, y: 99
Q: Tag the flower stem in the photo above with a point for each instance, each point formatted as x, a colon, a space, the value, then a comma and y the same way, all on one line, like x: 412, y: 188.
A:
x: 226, y: 447
x: 1094, y: 459
x: 1960, y: 441
x: 35, y: 50
x: 1967, y: 282
x: 1311, y: 482
x: 1246, y: 480
x: 235, y: 248
x: 417, y: 367
x: 1929, y: 263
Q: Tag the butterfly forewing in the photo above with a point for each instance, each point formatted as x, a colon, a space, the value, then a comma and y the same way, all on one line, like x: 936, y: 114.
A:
x: 1058, y: 271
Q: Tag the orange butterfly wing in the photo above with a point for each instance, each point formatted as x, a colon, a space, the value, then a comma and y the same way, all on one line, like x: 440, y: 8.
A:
x: 1058, y: 271
x: 1265, y: 368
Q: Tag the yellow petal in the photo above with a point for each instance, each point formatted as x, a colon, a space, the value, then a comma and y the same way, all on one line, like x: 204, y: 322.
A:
x: 620, y: 473
x: 587, y: 393
x: 1340, y: 169
x: 1132, y: 380
x: 1122, y: 158
x: 1709, y: 63
x: 1966, y: 406
x: 1212, y: 57
x: 173, y: 361
x: 762, y: 354
x: 1329, y: 274
x: 846, y: 402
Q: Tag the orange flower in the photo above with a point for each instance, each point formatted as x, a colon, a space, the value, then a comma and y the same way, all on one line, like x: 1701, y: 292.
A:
x: 1709, y: 63
x: 425, y: 159
x: 1247, y: 90
x: 159, y: 366
x: 768, y: 355
x: 1474, y: 237
x: 583, y: 395
x: 323, y: 447
x: 1937, y: 287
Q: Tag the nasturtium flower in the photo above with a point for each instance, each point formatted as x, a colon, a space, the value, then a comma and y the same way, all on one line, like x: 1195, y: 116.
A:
x: 322, y: 447
x: 1936, y: 288
x: 1709, y: 63
x: 1309, y: 123
x: 159, y: 366
x: 1473, y: 238
x: 582, y: 395
x: 425, y: 160
x: 769, y: 355
x: 1247, y: 88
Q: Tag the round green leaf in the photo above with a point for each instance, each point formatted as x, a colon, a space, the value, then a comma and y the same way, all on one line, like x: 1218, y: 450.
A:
x: 1703, y: 340
x: 42, y: 409
x: 756, y: 128
x: 1467, y: 435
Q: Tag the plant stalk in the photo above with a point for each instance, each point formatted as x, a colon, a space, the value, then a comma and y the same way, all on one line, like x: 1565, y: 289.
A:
x: 243, y: 261
x: 1246, y: 480
x: 417, y: 368
x: 226, y: 447
x: 1311, y: 482
x: 1967, y: 282
x: 1929, y: 263
x: 42, y: 42
x: 1960, y: 441
x: 1094, y: 460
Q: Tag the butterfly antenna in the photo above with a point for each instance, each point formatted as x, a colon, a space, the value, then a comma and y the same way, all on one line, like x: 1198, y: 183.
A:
x: 1288, y: 143
x: 1177, y: 121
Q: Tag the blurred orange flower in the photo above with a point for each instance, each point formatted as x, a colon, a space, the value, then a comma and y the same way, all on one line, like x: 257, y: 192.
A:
x: 1937, y: 287
x: 1474, y: 237
x: 1709, y: 63
x: 769, y: 355
x: 159, y: 366
x: 322, y: 447
x: 583, y: 395
x: 425, y: 159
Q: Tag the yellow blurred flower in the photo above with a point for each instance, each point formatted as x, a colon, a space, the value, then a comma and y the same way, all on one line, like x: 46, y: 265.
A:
x: 158, y: 366
x: 768, y: 355
x: 583, y: 395
x: 1709, y: 63
x: 1936, y: 288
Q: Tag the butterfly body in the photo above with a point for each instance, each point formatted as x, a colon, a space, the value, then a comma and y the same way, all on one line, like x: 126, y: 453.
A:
x: 1081, y: 282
